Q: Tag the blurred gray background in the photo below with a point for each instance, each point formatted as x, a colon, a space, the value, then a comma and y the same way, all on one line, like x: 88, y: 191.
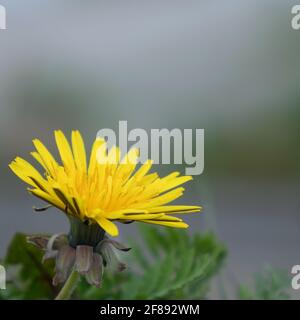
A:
x: 230, y: 67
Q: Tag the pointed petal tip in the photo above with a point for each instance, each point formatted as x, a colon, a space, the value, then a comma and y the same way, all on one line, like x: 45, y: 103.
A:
x: 114, y: 234
x: 108, y: 226
x: 36, y: 140
x: 198, y: 209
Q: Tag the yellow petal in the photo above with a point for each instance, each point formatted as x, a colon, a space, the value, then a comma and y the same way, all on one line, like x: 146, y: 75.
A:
x: 164, y: 217
x: 64, y: 150
x: 175, y: 209
x: 25, y: 171
x: 143, y: 216
x: 181, y: 225
x: 143, y: 170
x: 128, y: 164
x: 163, y: 199
x: 46, y: 197
x: 174, y: 183
x: 19, y: 172
x: 108, y: 226
x: 117, y: 214
x: 131, y: 157
x: 150, y: 178
x: 48, y: 161
x: 65, y: 198
x: 79, y: 151
x: 98, y: 146
x: 113, y: 159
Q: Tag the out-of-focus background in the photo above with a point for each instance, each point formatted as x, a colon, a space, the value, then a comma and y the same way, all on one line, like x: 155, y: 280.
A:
x: 230, y: 67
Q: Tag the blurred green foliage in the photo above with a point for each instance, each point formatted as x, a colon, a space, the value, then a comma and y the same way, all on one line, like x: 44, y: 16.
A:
x: 27, y: 276
x: 268, y: 285
x: 169, y: 264
x: 163, y: 264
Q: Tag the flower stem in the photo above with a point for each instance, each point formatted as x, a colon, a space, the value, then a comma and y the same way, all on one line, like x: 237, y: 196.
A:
x: 69, y: 286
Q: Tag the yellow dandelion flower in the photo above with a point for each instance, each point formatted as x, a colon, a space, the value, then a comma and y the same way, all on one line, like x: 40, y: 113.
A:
x: 105, y: 189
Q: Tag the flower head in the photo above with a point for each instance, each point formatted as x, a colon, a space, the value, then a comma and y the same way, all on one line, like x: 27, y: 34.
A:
x: 94, y: 195
x: 105, y: 189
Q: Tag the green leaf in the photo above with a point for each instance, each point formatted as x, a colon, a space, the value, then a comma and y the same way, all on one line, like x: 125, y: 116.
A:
x: 28, y: 278
x: 268, y: 285
x: 165, y: 264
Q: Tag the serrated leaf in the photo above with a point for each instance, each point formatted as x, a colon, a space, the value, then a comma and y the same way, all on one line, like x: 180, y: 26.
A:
x: 184, y: 260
